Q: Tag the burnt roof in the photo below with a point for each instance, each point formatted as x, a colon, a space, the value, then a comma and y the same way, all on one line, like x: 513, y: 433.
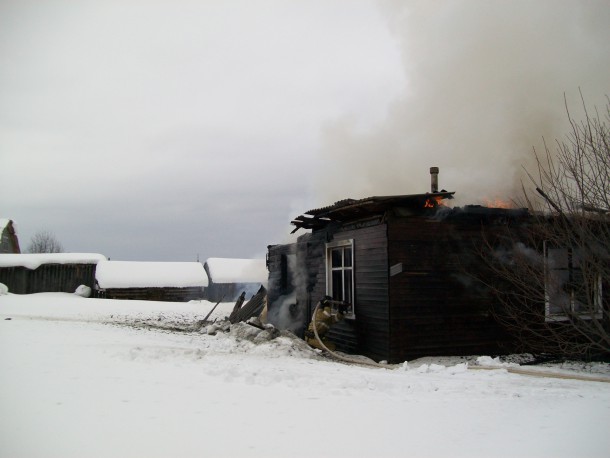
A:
x: 349, y: 209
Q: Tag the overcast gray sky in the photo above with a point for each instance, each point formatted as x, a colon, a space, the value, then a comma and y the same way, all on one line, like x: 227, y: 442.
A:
x: 163, y: 130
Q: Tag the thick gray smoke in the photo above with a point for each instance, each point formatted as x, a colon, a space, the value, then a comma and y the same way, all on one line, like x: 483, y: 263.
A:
x: 485, y: 82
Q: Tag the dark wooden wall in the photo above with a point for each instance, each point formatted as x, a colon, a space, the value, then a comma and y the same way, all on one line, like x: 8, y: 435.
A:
x: 438, y: 306
x: 311, y: 253
x: 152, y: 294
x: 48, y: 278
x: 281, y: 280
x: 418, y: 288
x: 368, y: 333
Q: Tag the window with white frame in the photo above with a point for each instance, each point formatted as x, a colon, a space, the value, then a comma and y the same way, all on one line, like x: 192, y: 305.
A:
x: 570, y: 287
x: 340, y: 272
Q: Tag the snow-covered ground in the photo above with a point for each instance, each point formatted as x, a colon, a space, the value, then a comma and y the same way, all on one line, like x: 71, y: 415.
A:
x: 100, y: 378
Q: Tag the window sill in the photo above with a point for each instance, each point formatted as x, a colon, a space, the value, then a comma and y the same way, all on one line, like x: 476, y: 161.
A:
x: 553, y: 318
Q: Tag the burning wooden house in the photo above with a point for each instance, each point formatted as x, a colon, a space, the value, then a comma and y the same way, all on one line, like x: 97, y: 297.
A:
x: 153, y: 281
x: 48, y: 272
x: 406, y: 263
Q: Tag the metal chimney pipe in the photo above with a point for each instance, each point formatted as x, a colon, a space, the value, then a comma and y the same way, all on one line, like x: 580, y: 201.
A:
x: 434, y: 179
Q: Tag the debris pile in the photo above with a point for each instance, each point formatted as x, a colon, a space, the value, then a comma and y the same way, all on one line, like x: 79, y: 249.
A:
x: 254, y: 307
x: 252, y: 330
x: 245, y: 325
x: 246, y: 322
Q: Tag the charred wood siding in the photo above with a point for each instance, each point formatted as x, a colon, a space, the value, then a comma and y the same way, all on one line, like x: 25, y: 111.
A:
x: 287, y: 282
x: 281, y: 280
x: 436, y: 305
x: 311, y: 255
x: 304, y: 263
x: 48, y: 278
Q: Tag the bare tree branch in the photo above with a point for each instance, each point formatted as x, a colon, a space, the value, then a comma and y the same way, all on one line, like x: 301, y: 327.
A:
x: 556, y: 280
x: 44, y: 242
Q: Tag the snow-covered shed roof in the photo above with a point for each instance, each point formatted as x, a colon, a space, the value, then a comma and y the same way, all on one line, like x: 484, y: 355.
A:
x: 231, y: 270
x: 132, y: 274
x: 35, y: 260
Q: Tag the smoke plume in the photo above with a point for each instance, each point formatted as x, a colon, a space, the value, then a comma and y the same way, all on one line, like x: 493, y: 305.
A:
x: 485, y: 83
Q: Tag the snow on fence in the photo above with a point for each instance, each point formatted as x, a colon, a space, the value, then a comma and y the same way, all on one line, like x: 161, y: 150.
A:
x: 48, y: 272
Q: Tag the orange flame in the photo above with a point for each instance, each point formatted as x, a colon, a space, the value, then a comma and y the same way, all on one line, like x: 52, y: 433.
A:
x: 433, y: 202
x: 498, y: 203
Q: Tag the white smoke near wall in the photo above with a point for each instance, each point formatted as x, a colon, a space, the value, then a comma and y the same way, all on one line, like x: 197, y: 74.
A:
x: 508, y: 255
x: 485, y: 82
x: 285, y: 312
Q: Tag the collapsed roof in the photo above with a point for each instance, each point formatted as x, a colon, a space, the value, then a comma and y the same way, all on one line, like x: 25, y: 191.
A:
x: 349, y: 209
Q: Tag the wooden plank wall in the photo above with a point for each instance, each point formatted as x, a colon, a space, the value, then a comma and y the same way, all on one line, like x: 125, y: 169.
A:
x: 311, y: 250
x: 368, y: 333
x: 48, y: 278
x: 152, y: 294
x: 15, y: 278
x: 280, y: 281
x: 436, y: 305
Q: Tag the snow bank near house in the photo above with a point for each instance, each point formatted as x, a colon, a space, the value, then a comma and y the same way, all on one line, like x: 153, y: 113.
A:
x: 3, y: 289
x: 131, y: 274
x: 35, y: 260
x: 226, y: 270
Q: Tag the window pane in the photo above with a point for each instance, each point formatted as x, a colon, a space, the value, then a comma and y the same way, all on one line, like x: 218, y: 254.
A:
x: 337, y: 292
x: 584, y: 292
x: 559, y: 298
x: 347, y: 260
x: 347, y: 282
x: 336, y: 257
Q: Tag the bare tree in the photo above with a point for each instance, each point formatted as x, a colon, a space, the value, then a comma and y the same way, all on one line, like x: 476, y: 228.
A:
x: 44, y: 242
x: 554, y: 281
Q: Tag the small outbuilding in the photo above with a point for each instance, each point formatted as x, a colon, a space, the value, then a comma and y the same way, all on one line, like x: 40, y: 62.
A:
x: 48, y: 272
x: 229, y: 277
x: 153, y: 281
